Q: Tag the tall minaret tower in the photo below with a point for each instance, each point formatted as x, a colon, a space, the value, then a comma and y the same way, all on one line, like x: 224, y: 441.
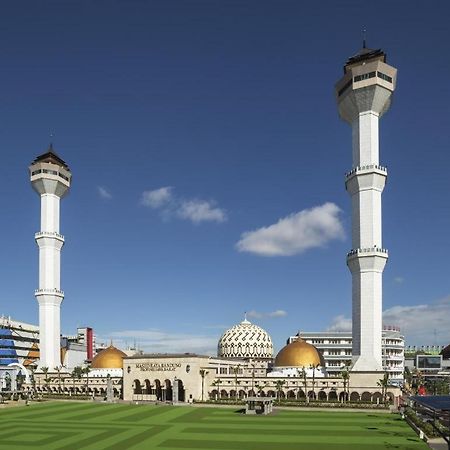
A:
x: 363, y: 95
x: 50, y: 178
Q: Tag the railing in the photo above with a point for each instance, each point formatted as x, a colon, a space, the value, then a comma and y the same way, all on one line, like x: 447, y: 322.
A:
x: 48, y: 234
x: 49, y: 291
x: 356, y: 251
x: 366, y: 167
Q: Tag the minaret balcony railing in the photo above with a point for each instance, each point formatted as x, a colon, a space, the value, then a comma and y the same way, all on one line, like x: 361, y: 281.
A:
x: 53, y: 291
x: 364, y: 168
x: 50, y: 234
x: 357, y: 251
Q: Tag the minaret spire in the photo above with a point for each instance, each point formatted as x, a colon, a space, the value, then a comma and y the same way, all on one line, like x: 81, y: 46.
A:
x: 363, y: 96
x: 50, y: 177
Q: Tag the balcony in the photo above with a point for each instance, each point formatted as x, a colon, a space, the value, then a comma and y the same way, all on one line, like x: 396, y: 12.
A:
x: 365, y: 169
x: 53, y: 291
x: 49, y: 234
x: 365, y: 251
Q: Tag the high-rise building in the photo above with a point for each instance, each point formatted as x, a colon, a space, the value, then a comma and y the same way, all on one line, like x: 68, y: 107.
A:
x: 363, y: 95
x: 50, y: 177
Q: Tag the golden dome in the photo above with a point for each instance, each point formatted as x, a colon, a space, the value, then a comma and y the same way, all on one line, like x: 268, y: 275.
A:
x: 110, y: 358
x: 299, y: 354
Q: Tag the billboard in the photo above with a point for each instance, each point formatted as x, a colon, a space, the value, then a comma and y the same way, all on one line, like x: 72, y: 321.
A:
x: 429, y: 362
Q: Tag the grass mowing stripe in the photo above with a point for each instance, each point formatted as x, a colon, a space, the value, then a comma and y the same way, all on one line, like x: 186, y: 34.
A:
x: 107, y: 411
x: 293, y: 432
x: 138, y: 438
x: 221, y: 445
x: 30, y: 414
x: 96, y: 438
x: 143, y: 414
x: 32, y: 407
x: 92, y: 412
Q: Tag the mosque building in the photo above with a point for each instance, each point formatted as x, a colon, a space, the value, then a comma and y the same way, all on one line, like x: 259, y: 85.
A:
x: 245, y: 364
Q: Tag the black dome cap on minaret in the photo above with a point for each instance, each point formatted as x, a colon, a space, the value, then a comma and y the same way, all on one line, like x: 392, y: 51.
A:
x: 366, y: 53
x: 50, y: 156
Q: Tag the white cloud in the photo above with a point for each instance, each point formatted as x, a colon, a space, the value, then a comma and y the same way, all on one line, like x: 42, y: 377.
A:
x: 104, y: 193
x: 157, y: 198
x: 194, y: 210
x: 157, y: 341
x: 340, y: 323
x: 399, y: 280
x: 262, y: 315
x: 417, y: 322
x: 295, y: 233
x: 201, y: 211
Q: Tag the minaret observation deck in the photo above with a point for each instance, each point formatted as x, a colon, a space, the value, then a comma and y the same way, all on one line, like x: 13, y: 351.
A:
x: 363, y: 95
x: 50, y: 177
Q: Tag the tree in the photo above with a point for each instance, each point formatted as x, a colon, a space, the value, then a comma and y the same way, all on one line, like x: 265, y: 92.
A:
x: 384, y: 383
x: 58, y: 370
x: 33, y: 380
x: 46, y: 379
x: 314, y: 367
x: 217, y: 382
x: 203, y: 374
x: 305, y: 382
x: 279, y: 385
x: 259, y: 388
x: 86, y: 371
x: 76, y: 374
x: 236, y: 370
x: 345, y: 375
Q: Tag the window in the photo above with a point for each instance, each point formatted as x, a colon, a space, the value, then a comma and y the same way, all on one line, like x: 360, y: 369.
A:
x: 364, y: 76
x: 384, y: 77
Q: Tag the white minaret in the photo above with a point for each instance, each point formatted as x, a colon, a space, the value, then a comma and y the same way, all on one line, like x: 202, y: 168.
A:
x: 50, y: 178
x: 363, y: 96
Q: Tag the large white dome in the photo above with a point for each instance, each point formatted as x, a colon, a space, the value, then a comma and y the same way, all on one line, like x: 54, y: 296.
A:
x: 245, y: 340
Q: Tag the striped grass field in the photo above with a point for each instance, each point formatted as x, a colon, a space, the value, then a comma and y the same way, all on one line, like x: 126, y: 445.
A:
x: 75, y: 426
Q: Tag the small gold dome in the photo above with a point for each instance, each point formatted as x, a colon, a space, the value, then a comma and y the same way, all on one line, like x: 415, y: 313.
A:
x: 299, y: 354
x: 110, y: 358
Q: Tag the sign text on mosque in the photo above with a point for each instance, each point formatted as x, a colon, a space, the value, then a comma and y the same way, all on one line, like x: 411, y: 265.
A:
x: 160, y: 367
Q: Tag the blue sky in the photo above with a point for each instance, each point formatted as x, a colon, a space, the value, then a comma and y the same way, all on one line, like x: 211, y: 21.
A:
x: 189, y: 123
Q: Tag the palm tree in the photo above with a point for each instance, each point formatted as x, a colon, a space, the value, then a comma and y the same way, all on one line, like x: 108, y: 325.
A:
x: 314, y: 367
x: 384, y: 383
x: 58, y: 370
x: 203, y: 374
x: 217, y: 383
x: 46, y: 379
x: 86, y: 371
x: 259, y: 388
x: 408, y: 378
x: 303, y: 374
x: 345, y: 375
x: 279, y: 385
x: 33, y: 380
x: 236, y: 370
x: 76, y: 374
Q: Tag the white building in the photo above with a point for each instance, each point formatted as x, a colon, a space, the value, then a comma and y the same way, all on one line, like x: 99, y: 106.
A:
x: 336, y: 349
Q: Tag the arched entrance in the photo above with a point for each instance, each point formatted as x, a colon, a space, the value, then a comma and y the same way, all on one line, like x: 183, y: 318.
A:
x: 148, y: 387
x: 181, y: 391
x: 158, y: 390
x: 168, y: 390
x: 137, y: 388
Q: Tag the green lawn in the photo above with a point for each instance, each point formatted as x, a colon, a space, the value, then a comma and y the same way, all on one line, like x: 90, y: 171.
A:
x: 75, y: 426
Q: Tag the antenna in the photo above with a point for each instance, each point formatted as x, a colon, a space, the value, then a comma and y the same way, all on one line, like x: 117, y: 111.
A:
x: 364, y: 34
